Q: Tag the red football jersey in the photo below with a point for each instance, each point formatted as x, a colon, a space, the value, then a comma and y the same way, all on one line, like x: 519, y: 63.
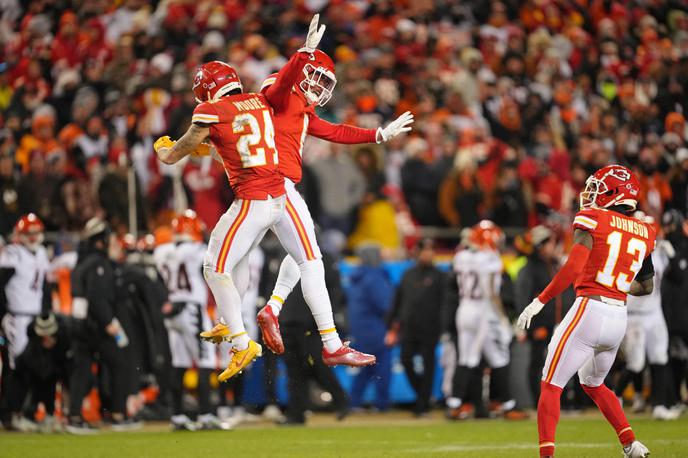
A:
x: 298, y: 119
x: 243, y: 133
x: 620, y: 245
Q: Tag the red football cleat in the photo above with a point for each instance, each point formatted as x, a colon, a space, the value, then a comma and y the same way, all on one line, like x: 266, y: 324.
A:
x: 347, y: 356
x: 269, y: 327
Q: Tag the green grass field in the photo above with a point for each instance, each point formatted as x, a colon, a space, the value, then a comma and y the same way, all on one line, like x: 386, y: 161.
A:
x: 359, y: 436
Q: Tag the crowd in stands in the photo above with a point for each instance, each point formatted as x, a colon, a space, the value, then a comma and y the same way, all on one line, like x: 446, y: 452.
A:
x: 516, y: 103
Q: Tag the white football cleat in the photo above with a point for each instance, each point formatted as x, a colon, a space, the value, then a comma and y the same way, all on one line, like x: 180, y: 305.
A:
x: 636, y: 450
x: 638, y: 403
x: 663, y: 413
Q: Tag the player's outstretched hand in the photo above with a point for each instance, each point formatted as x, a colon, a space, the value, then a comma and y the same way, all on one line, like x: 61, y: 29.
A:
x: 314, y: 36
x: 396, y: 127
x: 529, y: 312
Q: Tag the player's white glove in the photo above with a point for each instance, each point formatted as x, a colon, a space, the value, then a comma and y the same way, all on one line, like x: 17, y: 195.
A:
x: 394, y: 128
x: 314, y: 36
x: 528, y: 313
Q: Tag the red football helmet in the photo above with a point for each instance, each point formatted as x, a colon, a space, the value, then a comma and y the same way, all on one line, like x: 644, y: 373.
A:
x: 29, y: 231
x: 609, y: 186
x: 188, y: 226
x: 214, y: 80
x: 318, y: 78
x: 486, y: 235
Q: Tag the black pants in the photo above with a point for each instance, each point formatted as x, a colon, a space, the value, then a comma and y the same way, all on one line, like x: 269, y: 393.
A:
x: 538, y: 352
x: 303, y: 358
x: 421, y: 383
x: 112, y: 366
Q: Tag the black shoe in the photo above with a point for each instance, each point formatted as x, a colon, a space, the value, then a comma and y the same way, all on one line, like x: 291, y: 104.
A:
x: 343, y: 413
x: 79, y: 427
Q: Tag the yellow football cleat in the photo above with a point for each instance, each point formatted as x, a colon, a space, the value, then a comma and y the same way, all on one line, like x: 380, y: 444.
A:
x: 240, y: 360
x: 216, y: 335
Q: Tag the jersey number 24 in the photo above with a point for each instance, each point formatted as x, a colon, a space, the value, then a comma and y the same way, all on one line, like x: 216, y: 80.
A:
x: 252, y: 145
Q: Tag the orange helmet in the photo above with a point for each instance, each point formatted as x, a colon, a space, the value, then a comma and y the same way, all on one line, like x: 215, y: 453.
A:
x: 486, y: 235
x: 188, y: 226
x: 29, y: 231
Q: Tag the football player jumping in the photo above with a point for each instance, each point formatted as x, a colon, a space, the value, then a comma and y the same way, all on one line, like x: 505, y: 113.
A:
x: 313, y: 88
x: 241, y: 128
x: 610, y: 259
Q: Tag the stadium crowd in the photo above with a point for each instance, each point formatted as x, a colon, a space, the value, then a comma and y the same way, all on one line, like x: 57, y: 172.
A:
x: 516, y: 103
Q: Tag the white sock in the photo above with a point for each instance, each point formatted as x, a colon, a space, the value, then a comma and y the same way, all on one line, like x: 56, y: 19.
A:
x: 318, y: 300
x: 228, y: 305
x: 289, y: 275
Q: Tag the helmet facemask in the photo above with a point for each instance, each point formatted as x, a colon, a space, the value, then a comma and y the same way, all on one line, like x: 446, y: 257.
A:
x: 318, y: 84
x: 32, y: 240
x: 593, y: 187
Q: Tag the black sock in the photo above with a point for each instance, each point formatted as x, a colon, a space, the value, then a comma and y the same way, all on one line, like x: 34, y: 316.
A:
x: 204, y: 391
x: 177, y: 390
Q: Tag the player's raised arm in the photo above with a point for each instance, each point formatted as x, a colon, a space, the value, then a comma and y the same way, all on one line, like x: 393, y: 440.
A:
x: 171, y: 152
x: 566, y: 275
x: 278, y: 93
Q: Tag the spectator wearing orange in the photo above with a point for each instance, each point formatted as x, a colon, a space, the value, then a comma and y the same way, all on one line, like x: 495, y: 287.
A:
x: 655, y: 191
x: 41, y: 140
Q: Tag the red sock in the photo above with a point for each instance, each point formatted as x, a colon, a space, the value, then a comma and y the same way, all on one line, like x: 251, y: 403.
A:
x: 610, y: 407
x: 548, y: 416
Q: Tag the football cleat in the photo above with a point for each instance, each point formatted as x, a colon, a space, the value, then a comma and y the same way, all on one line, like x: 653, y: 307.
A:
x: 635, y: 450
x: 210, y: 422
x: 269, y: 327
x: 347, y: 356
x: 216, y: 335
x: 463, y: 412
x: 664, y: 413
x: 240, y: 360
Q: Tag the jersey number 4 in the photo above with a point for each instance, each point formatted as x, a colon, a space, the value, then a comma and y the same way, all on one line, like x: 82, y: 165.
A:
x: 633, y: 246
x: 252, y: 144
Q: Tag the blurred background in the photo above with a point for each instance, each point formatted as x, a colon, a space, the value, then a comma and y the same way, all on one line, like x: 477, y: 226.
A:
x: 516, y: 104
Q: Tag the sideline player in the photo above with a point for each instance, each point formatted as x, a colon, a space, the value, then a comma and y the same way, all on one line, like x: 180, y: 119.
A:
x: 180, y: 264
x: 24, y: 294
x: 482, y: 327
x: 314, y: 88
x: 241, y: 128
x: 610, y: 259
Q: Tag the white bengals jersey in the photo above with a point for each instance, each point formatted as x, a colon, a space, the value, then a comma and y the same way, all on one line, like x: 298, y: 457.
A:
x: 478, y: 275
x: 653, y: 301
x: 181, y: 267
x: 24, y: 291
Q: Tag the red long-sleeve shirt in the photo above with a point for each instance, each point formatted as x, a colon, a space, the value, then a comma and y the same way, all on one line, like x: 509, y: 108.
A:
x: 296, y: 119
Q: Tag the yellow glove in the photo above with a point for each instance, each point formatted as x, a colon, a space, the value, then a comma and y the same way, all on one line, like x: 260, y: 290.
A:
x: 163, y: 142
x: 202, y: 150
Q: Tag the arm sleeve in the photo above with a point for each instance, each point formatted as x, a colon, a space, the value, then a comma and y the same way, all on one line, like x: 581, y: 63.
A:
x: 647, y: 270
x: 339, y: 133
x: 205, y: 114
x: 278, y: 93
x: 567, y: 274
